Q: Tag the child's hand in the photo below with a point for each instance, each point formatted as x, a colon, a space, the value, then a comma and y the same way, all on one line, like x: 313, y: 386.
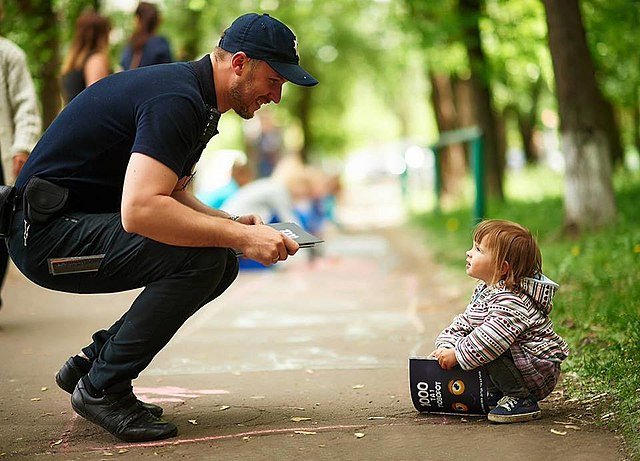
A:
x: 446, y: 358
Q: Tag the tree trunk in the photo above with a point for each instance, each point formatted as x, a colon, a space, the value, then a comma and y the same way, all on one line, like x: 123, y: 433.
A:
x: 613, y: 133
x: 485, y: 115
x: 46, y: 31
x: 586, y: 143
x: 463, y: 93
x: 526, y: 133
x: 453, y: 157
x: 527, y: 123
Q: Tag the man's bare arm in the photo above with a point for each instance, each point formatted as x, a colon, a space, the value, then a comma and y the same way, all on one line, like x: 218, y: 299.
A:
x: 149, y: 209
x: 187, y: 198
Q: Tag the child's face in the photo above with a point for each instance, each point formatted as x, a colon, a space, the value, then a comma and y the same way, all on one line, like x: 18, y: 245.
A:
x: 480, y: 262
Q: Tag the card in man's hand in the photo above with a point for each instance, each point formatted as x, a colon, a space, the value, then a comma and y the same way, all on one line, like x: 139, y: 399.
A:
x: 294, y: 232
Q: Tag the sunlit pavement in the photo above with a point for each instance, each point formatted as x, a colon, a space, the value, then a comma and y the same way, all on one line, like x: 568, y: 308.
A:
x: 306, y: 360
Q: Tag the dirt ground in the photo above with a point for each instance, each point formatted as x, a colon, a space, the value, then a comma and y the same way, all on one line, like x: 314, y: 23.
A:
x: 304, y: 361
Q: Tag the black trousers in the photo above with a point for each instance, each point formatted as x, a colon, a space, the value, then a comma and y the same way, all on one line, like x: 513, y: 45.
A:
x: 178, y: 281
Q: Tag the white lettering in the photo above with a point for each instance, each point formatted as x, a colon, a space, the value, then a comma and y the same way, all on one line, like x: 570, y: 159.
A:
x: 289, y: 233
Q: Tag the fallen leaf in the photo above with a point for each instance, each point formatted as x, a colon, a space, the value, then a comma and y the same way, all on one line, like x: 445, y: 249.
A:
x: 359, y: 435
x: 44, y: 388
x: 607, y: 416
x: 297, y: 408
x: 57, y: 442
x: 358, y: 386
x: 305, y: 432
x: 257, y: 397
x: 35, y: 399
x: 553, y: 431
x: 297, y: 419
x: 123, y: 450
x: 245, y: 438
x: 310, y: 371
x: 571, y: 426
x: 224, y: 407
x: 376, y: 417
x: 107, y: 453
x: 193, y: 421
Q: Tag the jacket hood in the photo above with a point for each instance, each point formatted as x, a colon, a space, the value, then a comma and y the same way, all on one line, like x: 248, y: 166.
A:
x: 541, y: 289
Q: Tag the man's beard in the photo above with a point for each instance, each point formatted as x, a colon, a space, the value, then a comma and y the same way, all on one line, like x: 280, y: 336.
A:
x: 240, y: 100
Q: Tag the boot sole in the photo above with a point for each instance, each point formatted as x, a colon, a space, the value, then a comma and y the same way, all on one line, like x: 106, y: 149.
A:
x: 521, y: 418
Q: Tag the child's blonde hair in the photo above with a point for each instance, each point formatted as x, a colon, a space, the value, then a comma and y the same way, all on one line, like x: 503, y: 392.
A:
x: 513, y: 243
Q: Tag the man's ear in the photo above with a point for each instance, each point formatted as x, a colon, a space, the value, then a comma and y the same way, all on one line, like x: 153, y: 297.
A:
x: 504, y: 270
x: 239, y: 62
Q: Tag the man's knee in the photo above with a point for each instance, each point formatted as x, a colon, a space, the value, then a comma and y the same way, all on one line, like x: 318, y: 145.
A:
x: 213, y: 266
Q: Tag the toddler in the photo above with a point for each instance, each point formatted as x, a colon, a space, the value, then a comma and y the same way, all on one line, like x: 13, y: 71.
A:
x: 506, y: 327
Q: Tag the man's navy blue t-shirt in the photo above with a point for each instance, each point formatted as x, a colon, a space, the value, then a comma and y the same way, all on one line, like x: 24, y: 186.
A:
x: 159, y: 111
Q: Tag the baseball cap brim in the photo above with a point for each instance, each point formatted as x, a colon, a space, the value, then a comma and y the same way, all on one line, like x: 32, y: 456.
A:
x: 293, y: 72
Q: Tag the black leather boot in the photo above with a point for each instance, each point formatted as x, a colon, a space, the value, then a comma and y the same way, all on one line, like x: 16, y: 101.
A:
x: 71, y: 372
x: 121, y: 415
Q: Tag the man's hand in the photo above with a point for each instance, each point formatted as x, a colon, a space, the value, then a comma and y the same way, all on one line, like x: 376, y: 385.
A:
x: 250, y: 219
x: 446, y: 358
x: 19, y: 160
x: 267, y: 245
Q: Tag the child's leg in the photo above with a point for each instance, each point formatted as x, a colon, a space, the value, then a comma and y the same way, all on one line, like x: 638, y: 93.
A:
x: 517, y: 405
x: 506, y: 377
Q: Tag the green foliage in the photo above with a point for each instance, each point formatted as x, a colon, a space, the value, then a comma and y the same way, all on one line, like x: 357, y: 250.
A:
x: 19, y: 27
x: 611, y: 27
x: 597, y: 309
x: 373, y: 57
x: 514, y: 37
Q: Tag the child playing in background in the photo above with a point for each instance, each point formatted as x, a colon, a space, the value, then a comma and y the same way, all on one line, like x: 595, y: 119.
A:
x: 506, y: 327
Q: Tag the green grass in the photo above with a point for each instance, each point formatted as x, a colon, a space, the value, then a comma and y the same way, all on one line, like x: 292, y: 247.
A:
x: 597, y: 309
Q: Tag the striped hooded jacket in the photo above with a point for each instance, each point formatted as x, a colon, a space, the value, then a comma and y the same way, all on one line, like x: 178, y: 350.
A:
x: 497, y: 320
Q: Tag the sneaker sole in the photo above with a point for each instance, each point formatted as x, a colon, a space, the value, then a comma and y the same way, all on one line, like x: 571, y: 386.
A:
x: 124, y: 438
x: 521, y: 418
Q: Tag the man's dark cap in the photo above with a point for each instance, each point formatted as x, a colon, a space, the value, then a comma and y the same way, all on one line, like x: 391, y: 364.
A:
x: 265, y: 38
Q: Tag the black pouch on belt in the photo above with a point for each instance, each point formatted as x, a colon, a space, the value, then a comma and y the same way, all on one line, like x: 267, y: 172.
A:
x: 7, y: 196
x: 43, y: 200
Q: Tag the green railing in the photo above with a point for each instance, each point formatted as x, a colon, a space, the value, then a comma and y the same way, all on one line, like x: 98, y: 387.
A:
x: 472, y: 136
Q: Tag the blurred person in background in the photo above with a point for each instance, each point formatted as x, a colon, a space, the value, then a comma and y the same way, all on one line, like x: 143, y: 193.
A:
x: 20, y: 122
x: 88, y: 58
x: 145, y: 48
x: 273, y: 199
x: 241, y: 174
x: 268, y: 146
